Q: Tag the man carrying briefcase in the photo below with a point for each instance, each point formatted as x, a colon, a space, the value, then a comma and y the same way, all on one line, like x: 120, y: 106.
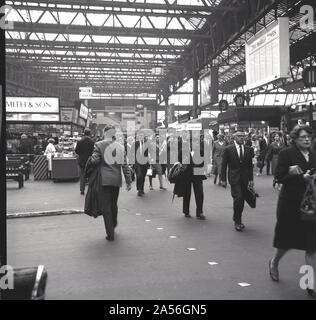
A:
x: 238, y: 158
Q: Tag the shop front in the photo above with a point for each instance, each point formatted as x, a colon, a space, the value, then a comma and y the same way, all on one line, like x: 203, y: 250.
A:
x: 40, y: 118
x: 31, y: 121
x: 260, y: 119
x: 35, y: 117
x: 305, y: 114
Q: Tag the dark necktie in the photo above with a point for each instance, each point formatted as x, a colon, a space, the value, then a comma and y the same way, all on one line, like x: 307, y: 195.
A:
x: 241, y: 156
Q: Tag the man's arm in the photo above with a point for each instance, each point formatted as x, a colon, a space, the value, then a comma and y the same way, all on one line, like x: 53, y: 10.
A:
x: 250, y: 167
x: 223, y: 175
x: 77, y: 149
x: 126, y: 171
x: 96, y: 156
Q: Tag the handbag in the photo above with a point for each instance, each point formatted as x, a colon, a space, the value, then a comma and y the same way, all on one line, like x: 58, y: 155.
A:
x: 308, y: 204
x: 177, y: 171
x: 149, y: 172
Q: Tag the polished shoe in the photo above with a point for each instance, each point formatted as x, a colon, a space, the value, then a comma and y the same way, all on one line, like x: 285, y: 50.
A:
x: 139, y: 193
x: 311, y: 293
x: 238, y: 227
x: 187, y: 215
x: 109, y: 238
x: 201, y: 217
x: 81, y: 192
x: 274, y: 273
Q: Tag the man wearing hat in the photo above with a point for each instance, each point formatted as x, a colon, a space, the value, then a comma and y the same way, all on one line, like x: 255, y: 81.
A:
x: 84, y: 149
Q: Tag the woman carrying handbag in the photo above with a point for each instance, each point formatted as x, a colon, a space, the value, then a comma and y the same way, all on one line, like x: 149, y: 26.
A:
x: 291, y: 231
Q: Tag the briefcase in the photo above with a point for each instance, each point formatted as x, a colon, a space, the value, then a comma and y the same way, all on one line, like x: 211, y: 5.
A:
x: 29, y: 284
x: 251, y: 198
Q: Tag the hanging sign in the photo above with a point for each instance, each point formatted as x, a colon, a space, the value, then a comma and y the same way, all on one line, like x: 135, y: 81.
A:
x: 84, y: 112
x: 240, y: 100
x: 309, y: 77
x: 32, y: 104
x: 223, y: 105
x: 66, y: 114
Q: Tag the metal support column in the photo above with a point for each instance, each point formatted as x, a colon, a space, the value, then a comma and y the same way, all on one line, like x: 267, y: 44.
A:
x: 195, y: 95
x: 166, y: 98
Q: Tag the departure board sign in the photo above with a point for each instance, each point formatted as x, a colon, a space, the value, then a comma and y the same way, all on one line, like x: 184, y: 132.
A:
x: 268, y: 54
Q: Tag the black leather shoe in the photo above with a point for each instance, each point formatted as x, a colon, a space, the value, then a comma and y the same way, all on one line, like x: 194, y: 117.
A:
x: 311, y: 293
x: 109, y: 238
x: 201, y: 217
x: 187, y: 215
x: 238, y: 227
x: 139, y: 193
x: 81, y: 192
x: 274, y: 272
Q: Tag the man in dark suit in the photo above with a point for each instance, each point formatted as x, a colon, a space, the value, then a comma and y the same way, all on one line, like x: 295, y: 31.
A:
x: 84, y: 149
x: 139, y: 152
x: 238, y: 159
x: 263, y: 152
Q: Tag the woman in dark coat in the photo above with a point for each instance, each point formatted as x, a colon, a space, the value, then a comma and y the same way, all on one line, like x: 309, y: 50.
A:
x: 294, y: 165
x: 273, y: 151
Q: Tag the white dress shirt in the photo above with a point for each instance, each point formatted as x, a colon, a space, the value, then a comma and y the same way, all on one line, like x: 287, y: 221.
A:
x: 238, y: 149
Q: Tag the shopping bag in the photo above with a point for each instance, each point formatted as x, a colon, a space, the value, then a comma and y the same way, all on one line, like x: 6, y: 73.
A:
x: 308, y: 204
x: 149, y: 172
x: 209, y: 169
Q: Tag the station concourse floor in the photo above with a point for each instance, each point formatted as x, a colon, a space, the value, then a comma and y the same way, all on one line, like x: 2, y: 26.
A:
x: 158, y: 254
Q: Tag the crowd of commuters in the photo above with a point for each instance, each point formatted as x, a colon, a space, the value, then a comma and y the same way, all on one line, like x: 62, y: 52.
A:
x: 236, y: 157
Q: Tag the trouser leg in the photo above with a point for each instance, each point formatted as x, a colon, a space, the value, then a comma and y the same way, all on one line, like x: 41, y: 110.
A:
x: 268, y: 167
x: 187, y: 197
x: 82, y: 180
x: 238, y: 202
x: 107, y: 213
x: 139, y: 177
x: 143, y: 176
x: 114, y: 197
x: 199, y: 196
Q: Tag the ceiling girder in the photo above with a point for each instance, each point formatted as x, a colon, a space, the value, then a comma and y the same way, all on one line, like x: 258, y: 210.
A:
x: 78, y: 63
x: 107, y: 31
x: 132, y: 5
x: 94, y: 46
x: 30, y: 55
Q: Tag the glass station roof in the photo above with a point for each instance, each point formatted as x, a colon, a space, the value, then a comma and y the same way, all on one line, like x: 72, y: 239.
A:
x: 111, y: 45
